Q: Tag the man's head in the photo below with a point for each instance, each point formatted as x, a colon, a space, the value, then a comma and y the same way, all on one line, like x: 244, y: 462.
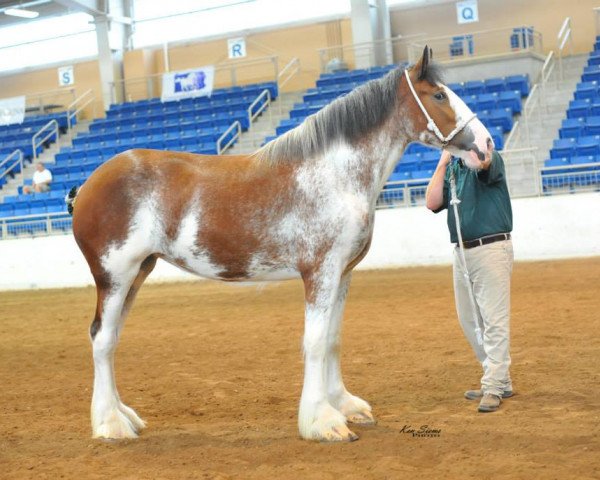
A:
x: 40, y: 167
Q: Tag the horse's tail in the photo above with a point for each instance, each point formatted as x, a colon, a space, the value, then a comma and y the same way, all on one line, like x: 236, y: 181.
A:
x: 70, y: 199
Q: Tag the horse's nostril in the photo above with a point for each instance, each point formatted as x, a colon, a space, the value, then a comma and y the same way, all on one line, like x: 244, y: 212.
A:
x: 490, y: 143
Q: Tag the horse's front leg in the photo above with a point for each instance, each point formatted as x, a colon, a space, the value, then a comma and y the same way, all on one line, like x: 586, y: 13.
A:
x: 318, y: 419
x: 355, y: 409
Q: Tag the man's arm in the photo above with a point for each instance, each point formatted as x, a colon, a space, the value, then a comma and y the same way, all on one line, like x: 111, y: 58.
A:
x: 434, y: 196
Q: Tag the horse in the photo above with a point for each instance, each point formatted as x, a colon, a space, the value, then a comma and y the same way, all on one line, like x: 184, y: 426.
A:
x: 301, y: 206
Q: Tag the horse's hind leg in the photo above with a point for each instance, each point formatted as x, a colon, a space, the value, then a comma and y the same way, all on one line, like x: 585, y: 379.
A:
x: 355, y: 409
x: 116, y: 293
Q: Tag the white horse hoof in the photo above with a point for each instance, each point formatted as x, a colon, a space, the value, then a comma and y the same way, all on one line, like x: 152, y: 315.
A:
x: 355, y: 409
x: 119, y: 423
x: 328, y: 426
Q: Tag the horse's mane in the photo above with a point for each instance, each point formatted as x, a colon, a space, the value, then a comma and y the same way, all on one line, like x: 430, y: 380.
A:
x: 348, y: 118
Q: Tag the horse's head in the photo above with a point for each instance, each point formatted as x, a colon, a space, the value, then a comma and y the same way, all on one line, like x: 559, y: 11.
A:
x: 443, y: 119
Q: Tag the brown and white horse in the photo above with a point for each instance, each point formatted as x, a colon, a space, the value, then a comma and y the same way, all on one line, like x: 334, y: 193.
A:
x: 300, y: 207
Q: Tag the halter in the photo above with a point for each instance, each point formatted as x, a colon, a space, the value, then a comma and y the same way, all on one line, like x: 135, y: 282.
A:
x: 431, y: 125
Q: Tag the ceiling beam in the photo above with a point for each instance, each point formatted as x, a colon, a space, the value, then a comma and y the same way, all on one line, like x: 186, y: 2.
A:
x: 96, y: 8
x: 93, y: 7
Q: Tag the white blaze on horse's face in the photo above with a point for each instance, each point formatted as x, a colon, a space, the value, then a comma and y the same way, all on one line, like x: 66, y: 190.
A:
x: 474, y: 141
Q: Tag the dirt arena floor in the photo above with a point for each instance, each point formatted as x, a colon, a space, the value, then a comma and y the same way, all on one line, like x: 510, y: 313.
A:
x: 216, y: 371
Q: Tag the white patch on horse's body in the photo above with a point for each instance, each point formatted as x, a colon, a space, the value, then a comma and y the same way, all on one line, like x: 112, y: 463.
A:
x: 142, y: 240
x: 184, y: 250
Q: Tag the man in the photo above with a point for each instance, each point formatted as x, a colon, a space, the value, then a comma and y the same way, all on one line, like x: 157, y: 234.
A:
x: 42, y: 178
x: 486, y: 222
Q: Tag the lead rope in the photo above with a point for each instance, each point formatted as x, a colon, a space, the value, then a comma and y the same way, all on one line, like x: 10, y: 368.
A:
x: 454, y: 201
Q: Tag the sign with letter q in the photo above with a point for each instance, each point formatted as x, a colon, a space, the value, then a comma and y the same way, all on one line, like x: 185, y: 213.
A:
x: 466, y: 12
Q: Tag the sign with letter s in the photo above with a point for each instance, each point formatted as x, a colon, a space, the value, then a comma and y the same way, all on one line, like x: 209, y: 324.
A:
x: 66, y: 76
x: 466, y: 11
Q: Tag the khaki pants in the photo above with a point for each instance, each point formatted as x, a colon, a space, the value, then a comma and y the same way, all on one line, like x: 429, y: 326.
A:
x: 490, y: 269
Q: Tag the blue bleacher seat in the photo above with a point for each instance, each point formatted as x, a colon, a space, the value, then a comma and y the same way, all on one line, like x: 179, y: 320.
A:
x: 474, y: 87
x: 572, y: 128
x: 518, y: 82
x: 591, y: 73
x: 579, y: 108
x: 564, y: 147
x: 586, y: 90
x: 6, y: 210
x: 588, y: 145
x: 495, y: 85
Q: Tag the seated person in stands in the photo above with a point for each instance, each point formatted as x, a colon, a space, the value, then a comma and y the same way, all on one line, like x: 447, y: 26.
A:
x: 41, y: 180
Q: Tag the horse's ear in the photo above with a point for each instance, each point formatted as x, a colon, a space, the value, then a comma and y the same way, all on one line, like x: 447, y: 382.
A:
x: 423, y: 64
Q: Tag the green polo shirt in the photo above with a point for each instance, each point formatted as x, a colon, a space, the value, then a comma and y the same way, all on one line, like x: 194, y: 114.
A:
x: 485, y: 203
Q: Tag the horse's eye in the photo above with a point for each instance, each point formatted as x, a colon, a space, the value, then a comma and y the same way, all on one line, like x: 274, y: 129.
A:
x: 439, y: 96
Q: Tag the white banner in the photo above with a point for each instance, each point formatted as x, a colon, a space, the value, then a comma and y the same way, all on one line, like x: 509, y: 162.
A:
x: 12, y: 110
x: 197, y: 82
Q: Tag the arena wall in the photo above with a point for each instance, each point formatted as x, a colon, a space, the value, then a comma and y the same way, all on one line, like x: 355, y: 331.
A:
x: 544, y: 228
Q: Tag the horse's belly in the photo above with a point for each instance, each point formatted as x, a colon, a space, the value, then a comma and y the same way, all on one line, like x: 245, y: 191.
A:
x: 254, y: 271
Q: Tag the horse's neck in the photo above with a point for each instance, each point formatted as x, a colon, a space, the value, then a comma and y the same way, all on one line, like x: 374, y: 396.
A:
x: 364, y: 168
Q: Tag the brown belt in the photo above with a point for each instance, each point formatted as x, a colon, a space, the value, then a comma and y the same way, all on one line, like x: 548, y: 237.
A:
x: 486, y: 240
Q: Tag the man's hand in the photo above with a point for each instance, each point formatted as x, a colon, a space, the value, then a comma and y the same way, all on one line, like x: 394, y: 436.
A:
x: 488, y: 160
x: 445, y: 159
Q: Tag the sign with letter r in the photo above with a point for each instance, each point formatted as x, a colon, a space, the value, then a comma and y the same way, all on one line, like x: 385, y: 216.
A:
x: 236, y: 47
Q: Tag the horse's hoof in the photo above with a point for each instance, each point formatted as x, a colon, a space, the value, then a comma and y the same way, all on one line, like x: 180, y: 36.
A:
x: 118, y: 423
x: 339, y: 434
x: 362, y: 418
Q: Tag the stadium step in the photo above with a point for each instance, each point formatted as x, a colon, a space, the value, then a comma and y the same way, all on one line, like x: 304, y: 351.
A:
x: 543, y: 127
x: 265, y: 125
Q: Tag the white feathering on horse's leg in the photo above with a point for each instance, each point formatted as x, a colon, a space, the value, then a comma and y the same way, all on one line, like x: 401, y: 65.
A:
x: 110, y: 417
x: 354, y: 409
x: 317, y: 418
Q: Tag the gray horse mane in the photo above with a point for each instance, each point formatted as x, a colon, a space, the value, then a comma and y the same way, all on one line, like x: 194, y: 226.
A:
x: 348, y: 118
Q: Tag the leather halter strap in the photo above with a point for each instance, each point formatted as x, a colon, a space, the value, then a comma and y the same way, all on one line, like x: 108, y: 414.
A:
x: 431, y: 125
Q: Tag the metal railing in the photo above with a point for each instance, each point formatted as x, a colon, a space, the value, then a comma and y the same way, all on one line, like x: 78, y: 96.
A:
x: 78, y: 105
x: 532, y: 106
x: 252, y: 115
x: 285, y: 76
x: 235, y: 126
x: 403, y: 193
x: 547, y: 71
x: 50, y: 99
x: 35, y: 225
x: 513, y: 136
x: 226, y: 74
x: 5, y: 170
x: 368, y: 54
x: 564, y: 36
x: 570, y: 178
x: 479, y: 44
x: 52, y: 128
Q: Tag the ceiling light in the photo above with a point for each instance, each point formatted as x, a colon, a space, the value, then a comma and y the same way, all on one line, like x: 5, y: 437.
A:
x: 19, y: 12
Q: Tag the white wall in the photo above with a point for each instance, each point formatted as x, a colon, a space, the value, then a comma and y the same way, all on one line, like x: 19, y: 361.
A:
x: 544, y: 228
